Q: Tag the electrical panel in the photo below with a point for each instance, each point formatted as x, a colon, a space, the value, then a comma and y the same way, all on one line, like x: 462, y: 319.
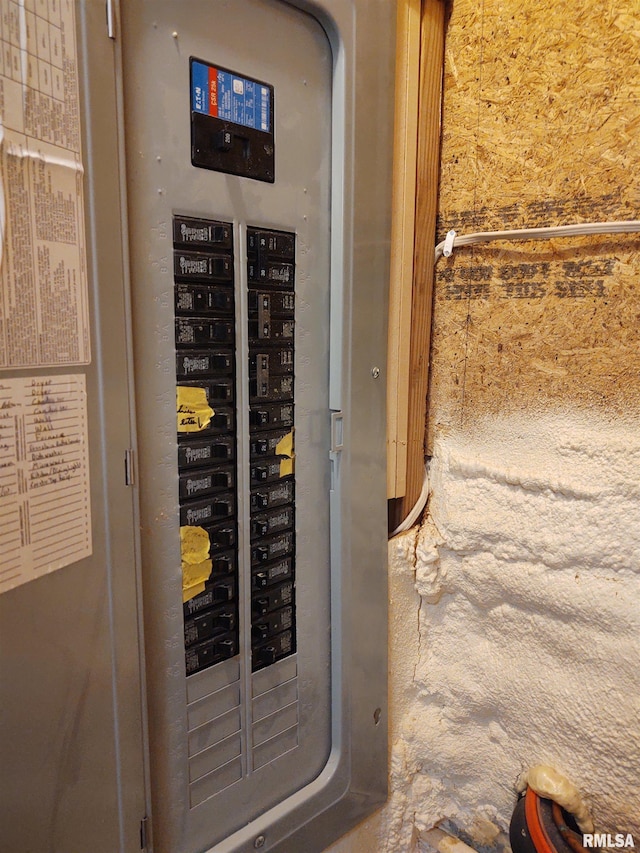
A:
x: 234, y: 124
x: 207, y: 671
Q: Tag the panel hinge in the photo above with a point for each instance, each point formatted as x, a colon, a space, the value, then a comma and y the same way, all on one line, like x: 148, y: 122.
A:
x: 337, y: 436
x: 129, y: 475
x: 111, y: 19
x: 143, y: 832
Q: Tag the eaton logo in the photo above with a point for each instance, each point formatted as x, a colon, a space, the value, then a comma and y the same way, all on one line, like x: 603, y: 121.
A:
x: 603, y: 839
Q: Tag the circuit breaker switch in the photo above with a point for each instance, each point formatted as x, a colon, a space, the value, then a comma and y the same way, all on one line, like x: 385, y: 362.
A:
x: 223, y: 592
x: 223, y: 564
x: 259, y: 417
x: 226, y: 648
x: 260, y: 631
x: 223, y: 140
x: 268, y: 655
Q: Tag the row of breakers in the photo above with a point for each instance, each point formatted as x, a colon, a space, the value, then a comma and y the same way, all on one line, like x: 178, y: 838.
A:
x: 206, y: 377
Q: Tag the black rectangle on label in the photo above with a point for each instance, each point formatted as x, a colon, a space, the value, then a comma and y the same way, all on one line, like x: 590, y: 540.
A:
x: 200, y: 331
x: 202, y: 233
x: 272, y: 495
x: 200, y: 513
x: 203, y: 299
x: 271, y: 415
x: 205, y: 452
x: 194, y: 363
x: 271, y: 244
x: 271, y: 599
x: 271, y: 623
x: 277, y: 273
x: 264, y: 523
x: 200, y: 267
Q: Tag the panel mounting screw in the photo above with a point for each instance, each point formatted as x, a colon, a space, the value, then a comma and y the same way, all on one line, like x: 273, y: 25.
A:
x: 259, y: 842
x: 375, y: 372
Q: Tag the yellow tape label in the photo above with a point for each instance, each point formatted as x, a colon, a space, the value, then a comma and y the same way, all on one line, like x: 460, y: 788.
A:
x: 196, y: 565
x: 194, y: 544
x: 194, y: 576
x: 190, y: 592
x: 286, y: 467
x: 285, y: 446
x: 194, y: 412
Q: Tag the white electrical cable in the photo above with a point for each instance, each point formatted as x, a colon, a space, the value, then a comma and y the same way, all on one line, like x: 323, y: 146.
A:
x: 419, y: 505
x: 453, y: 240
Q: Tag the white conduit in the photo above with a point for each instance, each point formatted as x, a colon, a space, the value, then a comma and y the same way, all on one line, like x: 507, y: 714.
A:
x: 453, y: 241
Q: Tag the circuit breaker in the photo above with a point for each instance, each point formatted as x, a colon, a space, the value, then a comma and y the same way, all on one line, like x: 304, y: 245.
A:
x: 241, y: 122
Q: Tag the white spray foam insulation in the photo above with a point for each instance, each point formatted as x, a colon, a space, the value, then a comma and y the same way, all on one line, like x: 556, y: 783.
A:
x: 528, y: 630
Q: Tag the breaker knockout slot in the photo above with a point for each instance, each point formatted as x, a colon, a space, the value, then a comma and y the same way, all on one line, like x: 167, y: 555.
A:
x: 271, y: 325
x: 206, y: 421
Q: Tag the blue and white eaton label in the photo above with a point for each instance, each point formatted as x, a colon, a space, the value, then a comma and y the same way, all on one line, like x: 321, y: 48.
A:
x: 236, y: 99
x: 199, y: 88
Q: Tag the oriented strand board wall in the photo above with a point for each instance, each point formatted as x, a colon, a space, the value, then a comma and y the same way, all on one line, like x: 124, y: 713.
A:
x: 541, y: 127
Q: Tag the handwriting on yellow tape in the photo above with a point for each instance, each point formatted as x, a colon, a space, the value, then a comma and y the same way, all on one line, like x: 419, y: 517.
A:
x: 194, y: 411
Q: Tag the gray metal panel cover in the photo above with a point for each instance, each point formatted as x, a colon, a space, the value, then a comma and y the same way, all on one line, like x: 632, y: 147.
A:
x: 332, y: 70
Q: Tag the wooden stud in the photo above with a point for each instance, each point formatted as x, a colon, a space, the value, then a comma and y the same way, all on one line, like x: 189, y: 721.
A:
x: 402, y: 240
x: 429, y: 127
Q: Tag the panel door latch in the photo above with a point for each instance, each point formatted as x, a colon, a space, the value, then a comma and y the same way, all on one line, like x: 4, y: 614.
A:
x: 337, y: 435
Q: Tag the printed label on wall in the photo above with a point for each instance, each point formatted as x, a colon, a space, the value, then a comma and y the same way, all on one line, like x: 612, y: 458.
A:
x: 44, y: 317
x: 45, y: 520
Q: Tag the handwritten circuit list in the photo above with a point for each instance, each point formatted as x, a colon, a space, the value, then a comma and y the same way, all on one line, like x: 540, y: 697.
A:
x: 45, y: 520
